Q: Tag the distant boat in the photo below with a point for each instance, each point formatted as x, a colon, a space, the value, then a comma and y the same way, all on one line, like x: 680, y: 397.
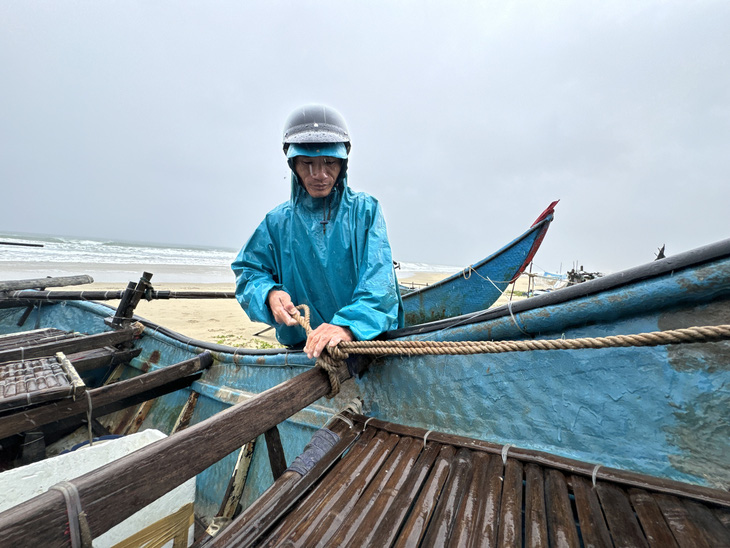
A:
x: 477, y: 286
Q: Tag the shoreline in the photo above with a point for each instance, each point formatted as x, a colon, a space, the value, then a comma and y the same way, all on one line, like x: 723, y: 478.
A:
x: 221, y: 321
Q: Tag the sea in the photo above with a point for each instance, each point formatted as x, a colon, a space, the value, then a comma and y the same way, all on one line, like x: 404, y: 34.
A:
x: 113, y: 261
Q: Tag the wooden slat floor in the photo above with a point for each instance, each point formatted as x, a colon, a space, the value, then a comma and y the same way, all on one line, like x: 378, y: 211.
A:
x: 394, y: 490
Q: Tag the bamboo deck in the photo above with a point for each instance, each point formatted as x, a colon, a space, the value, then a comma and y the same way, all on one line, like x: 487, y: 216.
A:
x: 394, y: 489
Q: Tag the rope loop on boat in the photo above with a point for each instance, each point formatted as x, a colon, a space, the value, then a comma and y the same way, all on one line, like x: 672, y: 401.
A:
x: 78, y: 525
x: 708, y: 333
x: 332, y: 358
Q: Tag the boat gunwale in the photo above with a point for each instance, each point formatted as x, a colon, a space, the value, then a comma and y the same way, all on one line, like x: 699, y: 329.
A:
x: 655, y: 269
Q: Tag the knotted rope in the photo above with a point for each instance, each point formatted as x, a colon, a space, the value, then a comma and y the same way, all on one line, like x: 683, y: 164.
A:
x: 331, y: 359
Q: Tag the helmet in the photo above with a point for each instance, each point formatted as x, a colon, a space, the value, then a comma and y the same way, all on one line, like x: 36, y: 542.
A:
x: 316, y: 124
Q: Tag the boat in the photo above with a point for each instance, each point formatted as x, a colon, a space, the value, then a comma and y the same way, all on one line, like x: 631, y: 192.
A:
x: 478, y: 286
x: 595, y: 414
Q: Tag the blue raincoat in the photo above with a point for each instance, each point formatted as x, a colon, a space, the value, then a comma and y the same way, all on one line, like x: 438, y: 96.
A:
x: 330, y: 253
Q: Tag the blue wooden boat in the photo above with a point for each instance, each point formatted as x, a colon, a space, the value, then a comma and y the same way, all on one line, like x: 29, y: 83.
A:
x: 479, y: 285
x: 658, y: 410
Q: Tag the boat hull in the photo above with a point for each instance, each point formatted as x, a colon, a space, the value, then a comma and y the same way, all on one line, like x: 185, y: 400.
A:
x: 659, y: 410
x: 478, y: 286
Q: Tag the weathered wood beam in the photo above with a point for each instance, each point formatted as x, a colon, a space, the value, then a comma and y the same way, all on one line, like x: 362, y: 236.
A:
x: 101, y: 397
x: 69, y: 346
x: 60, y: 281
x: 70, y: 424
x: 277, y: 460
x: 102, y: 357
x: 111, y: 494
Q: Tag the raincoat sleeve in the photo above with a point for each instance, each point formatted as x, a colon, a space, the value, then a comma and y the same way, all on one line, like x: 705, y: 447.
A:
x: 376, y: 304
x: 257, y: 274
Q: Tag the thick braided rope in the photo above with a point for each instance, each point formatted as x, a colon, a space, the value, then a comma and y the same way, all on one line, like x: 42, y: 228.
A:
x: 331, y: 359
x: 421, y: 348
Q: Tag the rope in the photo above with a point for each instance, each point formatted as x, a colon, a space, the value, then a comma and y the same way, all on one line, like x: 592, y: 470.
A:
x: 422, y: 348
x: 77, y: 524
x: 331, y: 359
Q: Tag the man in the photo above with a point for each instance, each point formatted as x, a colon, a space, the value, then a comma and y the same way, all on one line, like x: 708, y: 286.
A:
x: 327, y: 247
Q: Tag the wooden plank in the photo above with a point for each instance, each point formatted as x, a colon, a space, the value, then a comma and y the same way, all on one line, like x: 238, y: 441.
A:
x: 183, y: 419
x: 388, y: 528
x: 680, y: 522
x: 620, y: 518
x: 593, y: 528
x: 421, y: 512
x: 233, y: 493
x: 510, y: 518
x: 72, y: 423
x: 570, y: 466
x: 102, y: 357
x: 277, y: 460
x: 306, y: 510
x: 379, y: 496
x: 712, y: 529
x: 100, y: 397
x: 561, y: 523
x: 337, y: 505
x: 464, y: 532
x: 490, y: 503
x: 139, y: 417
x: 536, y: 531
x: 656, y: 530
x: 460, y: 474
x: 723, y: 515
x: 134, y: 481
x: 265, y: 511
x: 59, y: 281
x: 341, y: 472
x: 70, y: 346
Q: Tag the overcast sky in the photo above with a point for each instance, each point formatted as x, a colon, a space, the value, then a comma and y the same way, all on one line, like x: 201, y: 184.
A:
x: 161, y: 121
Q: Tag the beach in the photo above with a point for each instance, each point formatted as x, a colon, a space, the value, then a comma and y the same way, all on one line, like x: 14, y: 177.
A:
x: 112, y: 265
x: 223, y: 321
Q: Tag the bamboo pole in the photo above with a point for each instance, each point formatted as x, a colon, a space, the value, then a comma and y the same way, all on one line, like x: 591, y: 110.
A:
x: 31, y: 297
x: 60, y: 281
x: 111, y: 494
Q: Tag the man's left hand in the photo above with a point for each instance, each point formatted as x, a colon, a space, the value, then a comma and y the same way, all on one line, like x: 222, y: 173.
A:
x: 326, y: 335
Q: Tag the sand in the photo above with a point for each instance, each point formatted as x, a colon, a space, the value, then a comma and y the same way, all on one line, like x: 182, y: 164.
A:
x: 222, y: 320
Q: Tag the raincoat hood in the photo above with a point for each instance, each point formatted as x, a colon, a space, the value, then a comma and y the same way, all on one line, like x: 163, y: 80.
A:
x: 330, y: 253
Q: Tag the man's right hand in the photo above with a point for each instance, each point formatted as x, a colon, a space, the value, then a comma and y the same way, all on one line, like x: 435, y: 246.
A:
x: 282, y: 308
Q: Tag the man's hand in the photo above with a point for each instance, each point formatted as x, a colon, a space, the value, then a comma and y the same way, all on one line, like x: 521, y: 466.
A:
x: 282, y: 308
x: 326, y: 335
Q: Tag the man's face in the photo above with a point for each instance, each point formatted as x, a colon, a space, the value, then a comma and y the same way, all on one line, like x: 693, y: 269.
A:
x: 318, y: 175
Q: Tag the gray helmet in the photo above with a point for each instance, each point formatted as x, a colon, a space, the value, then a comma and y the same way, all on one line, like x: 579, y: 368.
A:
x: 316, y: 124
